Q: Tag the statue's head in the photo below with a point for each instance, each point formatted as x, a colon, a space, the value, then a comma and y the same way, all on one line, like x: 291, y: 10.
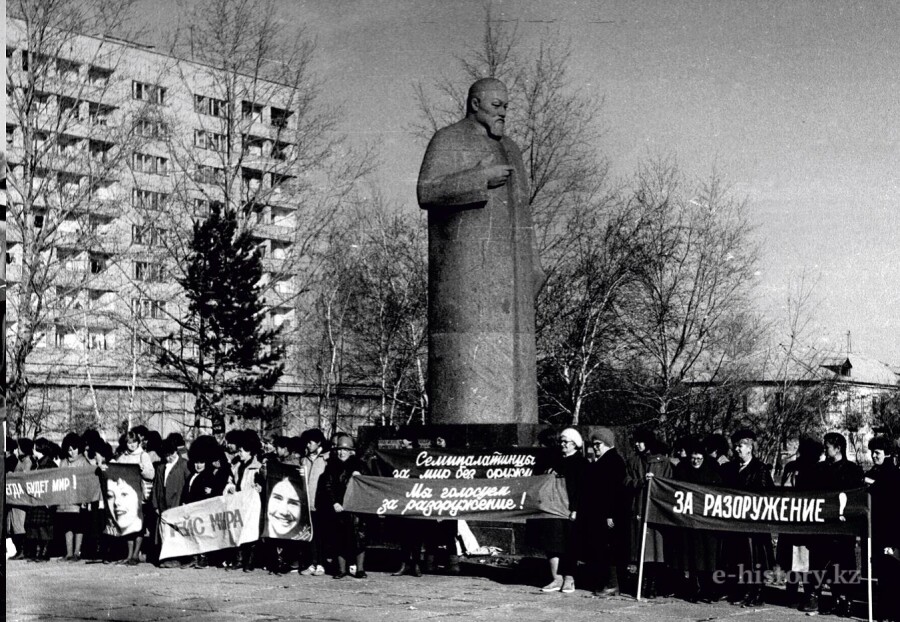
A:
x: 487, y: 102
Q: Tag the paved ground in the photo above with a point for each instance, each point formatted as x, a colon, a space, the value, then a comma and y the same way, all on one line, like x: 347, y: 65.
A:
x: 62, y: 591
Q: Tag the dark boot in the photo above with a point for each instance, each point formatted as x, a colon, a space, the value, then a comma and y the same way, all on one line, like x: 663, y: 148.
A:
x: 401, y: 571
x: 612, y: 584
x: 428, y: 566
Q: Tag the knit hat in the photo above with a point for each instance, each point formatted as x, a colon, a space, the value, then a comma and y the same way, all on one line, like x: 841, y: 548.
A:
x: 605, y: 435
x: 571, y: 434
x: 343, y: 441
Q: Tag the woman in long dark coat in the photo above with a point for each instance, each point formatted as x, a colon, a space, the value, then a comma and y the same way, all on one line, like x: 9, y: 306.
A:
x: 650, y: 460
x: 696, y: 551
x: 603, y: 514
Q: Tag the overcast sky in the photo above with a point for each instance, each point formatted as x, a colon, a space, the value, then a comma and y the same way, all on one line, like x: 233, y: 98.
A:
x: 796, y: 103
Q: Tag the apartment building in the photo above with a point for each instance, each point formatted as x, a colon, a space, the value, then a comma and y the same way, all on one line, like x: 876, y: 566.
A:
x: 114, y: 149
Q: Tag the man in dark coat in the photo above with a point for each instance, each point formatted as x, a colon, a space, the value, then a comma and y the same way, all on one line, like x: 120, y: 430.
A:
x: 883, y: 480
x: 603, y: 515
x: 483, y: 269
x: 168, y: 485
x: 830, y: 554
x: 747, y: 553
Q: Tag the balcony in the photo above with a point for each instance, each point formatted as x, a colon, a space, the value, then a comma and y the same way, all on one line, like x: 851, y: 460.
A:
x: 273, y: 232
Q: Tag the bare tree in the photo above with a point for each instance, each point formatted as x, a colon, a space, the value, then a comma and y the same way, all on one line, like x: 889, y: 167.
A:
x: 685, y: 315
x: 370, y: 325
x: 389, y: 303
x: 578, y: 327
x: 71, y: 137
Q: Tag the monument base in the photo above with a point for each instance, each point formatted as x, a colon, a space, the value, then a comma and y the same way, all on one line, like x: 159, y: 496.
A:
x: 508, y: 537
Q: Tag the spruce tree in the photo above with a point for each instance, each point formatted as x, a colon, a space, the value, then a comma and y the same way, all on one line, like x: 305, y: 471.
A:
x: 222, y: 349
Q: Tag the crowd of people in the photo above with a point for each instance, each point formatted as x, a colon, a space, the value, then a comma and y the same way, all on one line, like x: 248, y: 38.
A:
x: 601, y: 540
x: 174, y: 474
x: 605, y: 528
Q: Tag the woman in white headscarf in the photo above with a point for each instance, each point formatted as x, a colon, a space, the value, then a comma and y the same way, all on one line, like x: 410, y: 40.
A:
x: 558, y: 535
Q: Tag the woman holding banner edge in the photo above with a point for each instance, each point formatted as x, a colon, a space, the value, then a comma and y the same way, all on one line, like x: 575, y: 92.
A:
x: 558, y: 536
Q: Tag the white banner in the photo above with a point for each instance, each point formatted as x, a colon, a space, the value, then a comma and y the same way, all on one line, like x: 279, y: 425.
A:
x: 210, y: 525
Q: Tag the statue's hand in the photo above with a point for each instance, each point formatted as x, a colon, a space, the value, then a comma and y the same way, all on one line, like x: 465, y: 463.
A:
x: 497, y: 174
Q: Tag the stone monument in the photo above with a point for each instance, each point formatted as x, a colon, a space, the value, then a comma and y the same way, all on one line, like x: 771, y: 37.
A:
x: 483, y: 274
x: 483, y: 271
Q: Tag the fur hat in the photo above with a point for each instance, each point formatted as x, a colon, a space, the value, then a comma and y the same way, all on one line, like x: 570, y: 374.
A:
x: 605, y: 435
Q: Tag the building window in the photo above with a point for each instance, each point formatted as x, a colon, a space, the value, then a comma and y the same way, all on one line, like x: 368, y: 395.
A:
x: 98, y: 114
x: 99, y: 151
x: 67, y: 70
x: 252, y: 181
x: 150, y: 93
x: 280, y: 182
x: 149, y: 272
x: 281, y: 117
x: 145, y: 163
x: 68, y: 259
x: 67, y: 338
x: 251, y: 111
x: 10, y: 136
x: 98, y: 263
x: 209, y: 175
x: 70, y: 108
x: 252, y: 145
x: 209, y: 140
x: 210, y: 106
x: 148, y: 129
x: 98, y: 76
x: 281, y: 151
x: 153, y: 345
x: 147, y: 199
x: 146, y: 308
x: 39, y: 220
x: 100, y: 339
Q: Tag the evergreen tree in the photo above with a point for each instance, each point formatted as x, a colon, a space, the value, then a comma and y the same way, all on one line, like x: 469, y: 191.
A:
x: 222, y: 348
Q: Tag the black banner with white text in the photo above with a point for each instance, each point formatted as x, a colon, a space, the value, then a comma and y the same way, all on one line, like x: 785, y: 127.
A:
x: 784, y: 510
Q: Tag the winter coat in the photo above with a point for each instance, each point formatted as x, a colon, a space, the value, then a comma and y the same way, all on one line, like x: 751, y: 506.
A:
x: 247, y: 474
x: 314, y: 467
x: 754, y: 551
x: 335, y: 479
x: 636, y: 469
x: 167, y: 491
x: 604, y: 497
x: 79, y: 461
x: 695, y: 549
x: 885, y: 505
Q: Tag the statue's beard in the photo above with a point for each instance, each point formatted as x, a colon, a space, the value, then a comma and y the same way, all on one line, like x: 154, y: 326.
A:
x: 496, y: 128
